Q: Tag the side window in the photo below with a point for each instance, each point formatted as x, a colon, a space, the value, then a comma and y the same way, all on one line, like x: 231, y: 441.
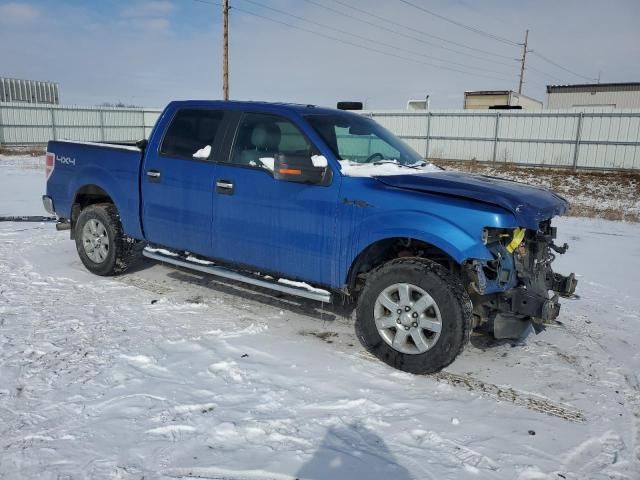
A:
x: 191, y: 133
x: 260, y: 137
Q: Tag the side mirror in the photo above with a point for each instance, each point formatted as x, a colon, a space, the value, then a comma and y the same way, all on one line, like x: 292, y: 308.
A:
x: 302, y: 169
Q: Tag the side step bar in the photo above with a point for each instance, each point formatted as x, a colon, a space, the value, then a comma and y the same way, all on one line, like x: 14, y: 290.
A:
x: 320, y: 296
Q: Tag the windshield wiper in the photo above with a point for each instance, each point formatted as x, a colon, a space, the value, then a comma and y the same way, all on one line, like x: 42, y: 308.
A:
x: 413, y: 165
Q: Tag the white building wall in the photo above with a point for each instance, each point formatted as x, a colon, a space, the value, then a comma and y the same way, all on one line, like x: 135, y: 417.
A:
x: 484, y: 100
x: 28, y: 91
x: 525, y: 102
x: 605, y: 100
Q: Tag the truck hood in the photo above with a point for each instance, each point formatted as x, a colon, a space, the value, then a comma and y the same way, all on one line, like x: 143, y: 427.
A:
x: 530, y: 205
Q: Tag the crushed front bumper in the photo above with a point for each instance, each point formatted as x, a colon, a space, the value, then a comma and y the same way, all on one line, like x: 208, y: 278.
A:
x: 519, y: 285
x: 537, y: 305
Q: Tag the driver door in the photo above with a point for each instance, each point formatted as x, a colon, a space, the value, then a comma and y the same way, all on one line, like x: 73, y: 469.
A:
x: 271, y: 225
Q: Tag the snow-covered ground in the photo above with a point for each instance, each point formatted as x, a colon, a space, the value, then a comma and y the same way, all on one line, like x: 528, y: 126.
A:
x: 163, y: 373
x: 22, y: 185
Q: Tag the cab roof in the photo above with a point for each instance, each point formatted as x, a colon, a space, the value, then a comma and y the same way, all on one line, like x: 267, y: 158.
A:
x: 266, y: 106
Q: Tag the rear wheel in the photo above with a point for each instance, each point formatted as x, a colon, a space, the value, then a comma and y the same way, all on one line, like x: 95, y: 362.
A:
x: 102, y: 246
x: 414, y: 315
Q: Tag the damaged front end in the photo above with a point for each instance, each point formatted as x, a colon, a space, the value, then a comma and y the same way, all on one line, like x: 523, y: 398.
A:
x: 518, y: 286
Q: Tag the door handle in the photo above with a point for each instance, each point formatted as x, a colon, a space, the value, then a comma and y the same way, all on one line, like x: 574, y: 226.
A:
x: 224, y: 187
x: 154, y: 175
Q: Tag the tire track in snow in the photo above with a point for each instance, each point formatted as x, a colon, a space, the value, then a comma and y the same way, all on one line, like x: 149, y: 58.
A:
x: 530, y: 401
x: 509, y: 394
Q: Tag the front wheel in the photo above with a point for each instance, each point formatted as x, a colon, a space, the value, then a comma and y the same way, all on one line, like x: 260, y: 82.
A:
x: 101, y: 244
x: 414, y: 315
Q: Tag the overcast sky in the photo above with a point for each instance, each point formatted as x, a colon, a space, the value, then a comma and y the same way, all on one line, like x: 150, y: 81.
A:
x: 148, y: 52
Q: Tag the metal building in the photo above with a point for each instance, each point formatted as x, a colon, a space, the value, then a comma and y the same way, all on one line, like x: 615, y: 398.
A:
x: 28, y: 91
x: 594, y: 95
x: 499, y: 99
x: 418, y: 105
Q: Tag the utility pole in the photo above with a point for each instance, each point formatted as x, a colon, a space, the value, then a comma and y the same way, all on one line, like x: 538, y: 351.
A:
x: 225, y: 53
x: 524, y: 58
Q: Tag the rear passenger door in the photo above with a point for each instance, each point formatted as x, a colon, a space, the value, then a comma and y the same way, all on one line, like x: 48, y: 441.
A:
x: 178, y: 181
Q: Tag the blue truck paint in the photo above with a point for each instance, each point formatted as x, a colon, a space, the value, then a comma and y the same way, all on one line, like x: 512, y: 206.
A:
x: 114, y: 170
x: 177, y: 211
x: 277, y: 226
x: 530, y: 205
x: 308, y: 232
x: 452, y: 224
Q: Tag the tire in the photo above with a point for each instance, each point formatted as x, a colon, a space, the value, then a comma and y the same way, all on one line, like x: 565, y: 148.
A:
x: 111, y: 251
x: 428, y: 339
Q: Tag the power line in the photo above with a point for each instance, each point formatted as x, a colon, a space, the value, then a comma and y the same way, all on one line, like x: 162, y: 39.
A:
x: 493, y: 36
x: 208, y: 3
x: 442, y: 39
x: 539, y: 71
x: 462, y: 25
x: 546, y: 59
x: 347, y: 42
x: 542, y: 72
x: 412, y: 37
x: 378, y: 42
x: 393, y: 55
x: 344, y: 32
x: 363, y: 47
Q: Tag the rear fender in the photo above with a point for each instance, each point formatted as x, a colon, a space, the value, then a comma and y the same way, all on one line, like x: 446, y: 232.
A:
x: 125, y: 204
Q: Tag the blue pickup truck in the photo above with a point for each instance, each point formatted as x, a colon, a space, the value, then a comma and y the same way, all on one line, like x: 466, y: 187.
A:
x: 324, y: 204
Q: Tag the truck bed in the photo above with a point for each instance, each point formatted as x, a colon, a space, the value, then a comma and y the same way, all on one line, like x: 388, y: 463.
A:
x: 80, y: 167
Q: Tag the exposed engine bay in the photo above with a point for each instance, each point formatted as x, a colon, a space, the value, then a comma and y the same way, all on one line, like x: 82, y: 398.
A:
x: 518, y: 287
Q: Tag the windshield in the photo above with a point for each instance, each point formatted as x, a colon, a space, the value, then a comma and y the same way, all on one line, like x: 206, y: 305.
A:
x: 358, y: 139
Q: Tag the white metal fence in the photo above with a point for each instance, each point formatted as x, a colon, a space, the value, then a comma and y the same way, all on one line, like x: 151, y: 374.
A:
x: 559, y: 138
x: 29, y: 124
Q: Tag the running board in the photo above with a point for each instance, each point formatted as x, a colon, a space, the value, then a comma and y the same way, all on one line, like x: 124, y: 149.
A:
x: 320, y: 296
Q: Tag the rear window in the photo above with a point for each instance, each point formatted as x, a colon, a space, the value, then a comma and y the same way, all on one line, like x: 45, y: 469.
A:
x: 190, y: 133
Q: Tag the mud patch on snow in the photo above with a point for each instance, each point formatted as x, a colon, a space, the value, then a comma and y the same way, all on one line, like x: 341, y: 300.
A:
x: 149, y: 286
x: 324, y: 336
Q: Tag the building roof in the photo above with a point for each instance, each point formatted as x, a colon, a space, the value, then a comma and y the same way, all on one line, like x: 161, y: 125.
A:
x: 595, y: 87
x: 487, y: 92
x: 499, y: 92
x: 26, y: 80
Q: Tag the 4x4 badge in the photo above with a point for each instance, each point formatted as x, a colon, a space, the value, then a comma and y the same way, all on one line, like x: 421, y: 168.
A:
x: 66, y: 160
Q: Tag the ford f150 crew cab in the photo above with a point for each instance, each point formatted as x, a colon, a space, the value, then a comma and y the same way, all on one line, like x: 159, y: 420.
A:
x: 330, y: 203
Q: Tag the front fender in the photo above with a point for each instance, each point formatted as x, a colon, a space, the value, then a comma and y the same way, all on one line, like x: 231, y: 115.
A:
x: 460, y: 244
